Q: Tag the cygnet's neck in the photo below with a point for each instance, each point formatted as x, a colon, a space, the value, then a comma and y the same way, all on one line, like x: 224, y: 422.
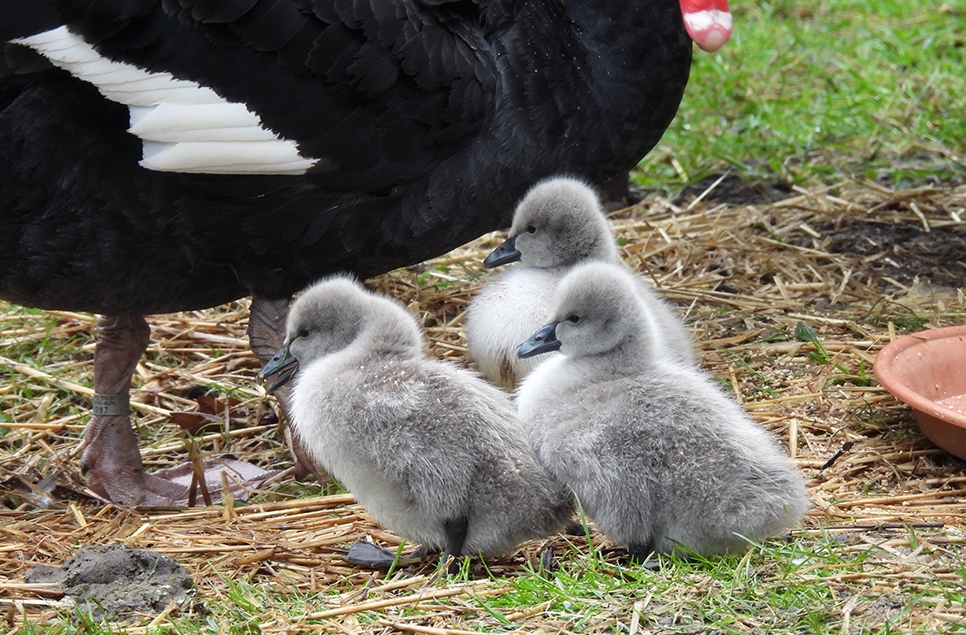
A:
x: 633, y: 356
x: 605, y: 250
x: 386, y: 337
x: 641, y: 347
x: 602, y: 249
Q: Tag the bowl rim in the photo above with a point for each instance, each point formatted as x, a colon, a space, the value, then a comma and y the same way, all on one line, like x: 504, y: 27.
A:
x: 883, y: 367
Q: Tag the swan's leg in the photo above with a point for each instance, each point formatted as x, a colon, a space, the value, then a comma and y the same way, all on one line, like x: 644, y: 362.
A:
x: 266, y: 334
x: 111, y: 457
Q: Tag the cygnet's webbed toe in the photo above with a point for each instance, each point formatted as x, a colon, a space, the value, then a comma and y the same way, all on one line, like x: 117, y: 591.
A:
x: 369, y: 555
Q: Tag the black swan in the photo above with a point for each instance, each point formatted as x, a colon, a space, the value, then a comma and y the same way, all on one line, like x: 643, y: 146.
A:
x: 160, y: 156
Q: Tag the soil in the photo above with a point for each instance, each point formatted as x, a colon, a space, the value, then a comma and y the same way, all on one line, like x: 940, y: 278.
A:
x: 734, y: 190
x: 117, y: 582
x: 901, y: 251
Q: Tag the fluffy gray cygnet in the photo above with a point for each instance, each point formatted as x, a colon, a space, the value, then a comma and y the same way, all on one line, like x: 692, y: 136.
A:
x: 558, y: 225
x: 656, y: 453
x: 432, y: 451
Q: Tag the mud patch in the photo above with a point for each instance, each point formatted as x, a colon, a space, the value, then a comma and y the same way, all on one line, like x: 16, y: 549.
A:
x: 734, y: 190
x: 901, y: 251
x: 116, y: 582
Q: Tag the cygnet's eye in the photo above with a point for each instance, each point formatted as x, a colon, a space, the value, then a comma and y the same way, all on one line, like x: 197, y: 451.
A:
x: 573, y: 318
x: 304, y: 332
x: 531, y: 229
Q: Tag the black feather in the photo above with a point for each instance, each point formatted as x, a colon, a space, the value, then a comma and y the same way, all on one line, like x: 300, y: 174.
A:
x: 429, y: 119
x: 218, y: 11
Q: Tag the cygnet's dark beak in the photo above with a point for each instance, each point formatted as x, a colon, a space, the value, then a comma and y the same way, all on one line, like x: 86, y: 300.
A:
x: 283, y: 364
x: 543, y: 341
x: 504, y: 254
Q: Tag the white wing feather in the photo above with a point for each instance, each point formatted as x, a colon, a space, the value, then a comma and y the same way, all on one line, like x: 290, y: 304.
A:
x: 183, y: 126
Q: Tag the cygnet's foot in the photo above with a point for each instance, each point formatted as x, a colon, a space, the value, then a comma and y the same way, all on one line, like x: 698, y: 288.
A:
x: 372, y: 556
x: 642, y: 555
x: 575, y: 528
x: 547, y: 563
x: 456, y: 530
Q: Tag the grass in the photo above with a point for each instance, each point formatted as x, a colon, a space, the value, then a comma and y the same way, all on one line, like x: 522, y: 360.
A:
x: 824, y: 91
x: 800, y: 585
x: 793, y: 586
x: 885, y: 565
x: 804, y: 93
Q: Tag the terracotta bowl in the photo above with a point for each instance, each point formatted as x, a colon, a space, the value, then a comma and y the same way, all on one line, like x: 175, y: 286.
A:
x: 927, y: 370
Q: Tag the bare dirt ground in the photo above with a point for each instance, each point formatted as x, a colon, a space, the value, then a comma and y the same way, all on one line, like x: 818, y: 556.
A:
x: 858, y: 263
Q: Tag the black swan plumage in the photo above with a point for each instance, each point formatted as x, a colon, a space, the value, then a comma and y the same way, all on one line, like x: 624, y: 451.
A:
x: 168, y: 155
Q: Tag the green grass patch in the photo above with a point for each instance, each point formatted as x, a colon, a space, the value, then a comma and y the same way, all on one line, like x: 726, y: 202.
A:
x: 825, y: 91
x: 806, y: 584
x: 799, y: 586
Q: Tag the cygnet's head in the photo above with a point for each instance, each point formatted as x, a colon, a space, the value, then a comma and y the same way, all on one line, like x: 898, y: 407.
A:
x: 329, y: 316
x: 595, y: 311
x: 325, y: 318
x: 558, y: 223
